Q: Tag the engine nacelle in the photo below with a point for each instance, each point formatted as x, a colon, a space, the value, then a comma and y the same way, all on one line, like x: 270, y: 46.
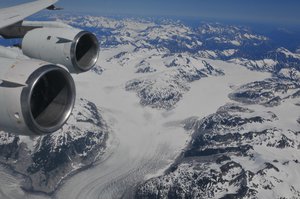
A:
x: 36, y: 97
x: 76, y: 49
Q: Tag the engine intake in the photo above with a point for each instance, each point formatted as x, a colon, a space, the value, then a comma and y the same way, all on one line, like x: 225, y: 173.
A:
x: 48, y: 100
x: 85, y: 50
x: 37, y: 97
x: 76, y: 49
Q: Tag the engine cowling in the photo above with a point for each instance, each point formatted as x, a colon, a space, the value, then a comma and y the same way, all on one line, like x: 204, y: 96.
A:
x: 36, y: 97
x: 76, y: 49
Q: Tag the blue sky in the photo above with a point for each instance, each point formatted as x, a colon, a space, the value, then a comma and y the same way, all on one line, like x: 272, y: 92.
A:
x: 260, y: 11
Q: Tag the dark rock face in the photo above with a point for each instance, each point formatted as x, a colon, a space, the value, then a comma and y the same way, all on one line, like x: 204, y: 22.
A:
x: 97, y: 69
x: 46, y: 160
x: 145, y: 70
x: 9, y: 146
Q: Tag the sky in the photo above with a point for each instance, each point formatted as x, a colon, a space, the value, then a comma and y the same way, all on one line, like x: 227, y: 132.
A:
x: 256, y: 11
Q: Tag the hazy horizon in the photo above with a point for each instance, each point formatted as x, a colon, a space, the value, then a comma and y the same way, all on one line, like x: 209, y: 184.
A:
x: 254, y: 11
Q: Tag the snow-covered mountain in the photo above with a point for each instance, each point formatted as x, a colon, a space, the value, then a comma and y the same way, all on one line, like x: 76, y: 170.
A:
x: 244, y: 150
x: 45, y: 161
x: 239, y: 44
x: 190, y: 112
x: 164, y: 89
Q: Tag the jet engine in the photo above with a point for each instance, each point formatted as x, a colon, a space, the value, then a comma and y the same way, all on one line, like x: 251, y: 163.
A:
x: 36, y: 97
x: 76, y: 49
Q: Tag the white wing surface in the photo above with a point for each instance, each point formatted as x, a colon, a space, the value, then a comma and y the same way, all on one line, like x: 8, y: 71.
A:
x: 12, y: 15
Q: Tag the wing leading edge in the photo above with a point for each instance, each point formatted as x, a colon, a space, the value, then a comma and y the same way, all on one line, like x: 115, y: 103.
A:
x: 12, y: 15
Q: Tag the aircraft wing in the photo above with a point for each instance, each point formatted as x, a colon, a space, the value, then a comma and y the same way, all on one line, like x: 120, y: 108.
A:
x: 12, y: 15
